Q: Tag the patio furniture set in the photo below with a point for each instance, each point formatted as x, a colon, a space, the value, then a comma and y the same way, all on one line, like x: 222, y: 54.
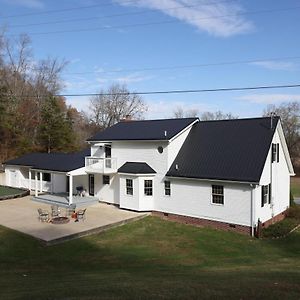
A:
x: 56, y: 216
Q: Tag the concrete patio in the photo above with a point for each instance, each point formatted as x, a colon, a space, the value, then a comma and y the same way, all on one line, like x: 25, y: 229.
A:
x: 21, y: 215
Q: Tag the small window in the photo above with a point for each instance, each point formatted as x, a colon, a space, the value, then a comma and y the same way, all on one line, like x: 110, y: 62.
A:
x: 47, y: 177
x: 275, y: 152
x: 265, y: 194
x: 167, y: 188
x: 218, y: 194
x: 105, y: 179
x: 129, y: 186
x: 148, y: 187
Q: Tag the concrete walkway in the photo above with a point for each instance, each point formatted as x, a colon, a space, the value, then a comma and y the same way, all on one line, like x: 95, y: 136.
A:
x: 21, y: 215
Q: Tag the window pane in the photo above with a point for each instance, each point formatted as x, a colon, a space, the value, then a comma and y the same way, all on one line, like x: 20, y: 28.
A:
x: 148, y: 187
x: 129, y: 187
x: 46, y: 177
x: 106, y: 179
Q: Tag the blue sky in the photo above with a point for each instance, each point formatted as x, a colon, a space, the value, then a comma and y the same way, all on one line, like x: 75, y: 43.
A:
x: 115, y: 41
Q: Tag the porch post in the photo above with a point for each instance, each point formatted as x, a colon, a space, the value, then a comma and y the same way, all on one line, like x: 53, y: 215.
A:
x: 71, y: 189
x: 36, y: 183
x: 29, y: 186
x: 41, y: 182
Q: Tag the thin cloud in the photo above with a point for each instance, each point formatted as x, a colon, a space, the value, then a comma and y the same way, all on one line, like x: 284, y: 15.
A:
x: 270, y: 98
x: 26, y: 3
x: 219, y: 19
x: 276, y: 65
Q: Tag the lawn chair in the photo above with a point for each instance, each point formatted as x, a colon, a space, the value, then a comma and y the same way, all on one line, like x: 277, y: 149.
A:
x: 43, y: 215
x: 81, y: 214
x: 55, y: 211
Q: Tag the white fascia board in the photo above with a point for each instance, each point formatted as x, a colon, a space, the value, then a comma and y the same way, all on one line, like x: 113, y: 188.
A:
x: 184, y: 129
x: 16, y: 166
x: 215, y: 180
x: 138, y: 175
x: 285, y: 149
x: 47, y: 171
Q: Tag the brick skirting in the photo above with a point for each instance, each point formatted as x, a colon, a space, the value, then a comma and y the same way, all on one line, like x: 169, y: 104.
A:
x: 203, y: 222
x: 275, y: 219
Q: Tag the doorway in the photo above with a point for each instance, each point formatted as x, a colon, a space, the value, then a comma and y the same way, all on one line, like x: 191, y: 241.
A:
x: 91, y: 184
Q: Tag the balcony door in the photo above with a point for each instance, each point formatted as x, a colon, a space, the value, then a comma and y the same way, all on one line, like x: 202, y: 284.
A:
x: 107, y: 151
x: 91, y: 184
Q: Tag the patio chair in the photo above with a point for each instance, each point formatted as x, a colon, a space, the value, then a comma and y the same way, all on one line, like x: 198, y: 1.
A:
x: 43, y: 215
x: 81, y: 214
x: 70, y: 211
x: 55, y: 211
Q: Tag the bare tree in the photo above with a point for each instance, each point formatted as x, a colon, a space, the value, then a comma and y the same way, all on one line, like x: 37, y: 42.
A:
x: 290, y: 118
x: 218, y: 115
x: 179, y: 112
x: 114, y: 104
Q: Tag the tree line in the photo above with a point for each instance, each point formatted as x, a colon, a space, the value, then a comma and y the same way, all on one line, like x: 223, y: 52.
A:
x: 34, y: 119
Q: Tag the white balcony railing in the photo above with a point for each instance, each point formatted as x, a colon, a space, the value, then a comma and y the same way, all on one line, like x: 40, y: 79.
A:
x: 100, y: 165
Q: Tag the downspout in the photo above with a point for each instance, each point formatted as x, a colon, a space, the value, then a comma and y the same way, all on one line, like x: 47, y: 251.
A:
x: 253, y: 186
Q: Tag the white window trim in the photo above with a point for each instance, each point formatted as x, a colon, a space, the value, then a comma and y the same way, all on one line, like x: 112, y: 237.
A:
x: 129, y: 195
x: 211, y: 196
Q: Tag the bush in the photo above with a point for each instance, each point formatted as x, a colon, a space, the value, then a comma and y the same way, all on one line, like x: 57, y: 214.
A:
x: 281, y: 228
x: 292, y: 202
x: 294, y: 212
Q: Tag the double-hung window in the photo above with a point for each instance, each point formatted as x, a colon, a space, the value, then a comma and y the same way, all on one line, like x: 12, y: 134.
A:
x: 129, y: 187
x: 218, y: 194
x: 275, y: 152
x: 167, y: 188
x: 105, y: 179
x: 148, y: 187
x: 265, y: 194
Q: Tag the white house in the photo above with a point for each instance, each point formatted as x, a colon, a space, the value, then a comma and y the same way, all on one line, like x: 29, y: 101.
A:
x: 228, y: 173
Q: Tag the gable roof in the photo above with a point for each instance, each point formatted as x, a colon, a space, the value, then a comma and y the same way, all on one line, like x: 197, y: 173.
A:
x: 234, y: 150
x: 136, y: 168
x: 61, y: 162
x: 143, y: 130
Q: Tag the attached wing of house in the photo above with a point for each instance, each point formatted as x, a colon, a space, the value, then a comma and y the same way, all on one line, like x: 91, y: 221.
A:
x: 231, y: 173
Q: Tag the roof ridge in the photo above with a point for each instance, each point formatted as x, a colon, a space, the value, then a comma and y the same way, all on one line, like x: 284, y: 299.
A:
x: 241, y: 119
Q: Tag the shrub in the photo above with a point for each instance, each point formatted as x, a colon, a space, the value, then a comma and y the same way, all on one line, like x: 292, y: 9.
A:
x: 294, y: 212
x: 292, y: 202
x: 281, y: 228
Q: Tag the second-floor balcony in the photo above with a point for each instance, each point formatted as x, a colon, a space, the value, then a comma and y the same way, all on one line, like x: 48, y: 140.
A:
x: 100, y: 165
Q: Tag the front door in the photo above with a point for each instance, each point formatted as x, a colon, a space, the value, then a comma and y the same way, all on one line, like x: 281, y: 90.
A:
x: 91, y: 184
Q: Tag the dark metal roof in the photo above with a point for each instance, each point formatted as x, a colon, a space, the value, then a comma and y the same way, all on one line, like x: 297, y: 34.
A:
x: 61, y: 162
x: 143, y: 130
x: 234, y: 150
x: 136, y: 168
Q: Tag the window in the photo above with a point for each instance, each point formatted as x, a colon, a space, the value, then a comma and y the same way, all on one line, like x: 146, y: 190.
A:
x: 129, y: 186
x: 47, y: 177
x: 275, y: 152
x: 148, y: 187
x: 167, y: 188
x: 217, y: 194
x: 105, y: 179
x: 265, y: 194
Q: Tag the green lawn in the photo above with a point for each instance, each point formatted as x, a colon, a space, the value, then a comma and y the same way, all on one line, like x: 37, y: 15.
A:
x: 295, y: 186
x: 151, y: 259
x: 5, y: 191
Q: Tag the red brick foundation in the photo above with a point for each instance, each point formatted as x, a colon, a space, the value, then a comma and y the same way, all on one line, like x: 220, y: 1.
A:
x: 275, y: 219
x: 203, y: 222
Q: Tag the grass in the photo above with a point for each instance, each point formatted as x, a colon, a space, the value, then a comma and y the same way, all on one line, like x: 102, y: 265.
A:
x: 6, y: 191
x: 151, y: 259
x: 295, y: 186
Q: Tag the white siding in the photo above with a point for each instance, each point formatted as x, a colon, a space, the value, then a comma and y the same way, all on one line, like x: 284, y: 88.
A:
x: 107, y: 192
x: 129, y: 201
x: 193, y: 198
x: 59, y: 183
x: 280, y: 181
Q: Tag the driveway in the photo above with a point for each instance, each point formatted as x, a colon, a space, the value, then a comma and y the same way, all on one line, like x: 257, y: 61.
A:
x: 21, y: 215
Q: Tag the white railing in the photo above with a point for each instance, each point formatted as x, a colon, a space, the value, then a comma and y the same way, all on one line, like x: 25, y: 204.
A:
x: 46, y: 185
x: 101, y: 165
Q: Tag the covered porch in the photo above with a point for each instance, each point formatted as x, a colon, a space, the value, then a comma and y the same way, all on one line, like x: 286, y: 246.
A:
x: 63, y: 200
